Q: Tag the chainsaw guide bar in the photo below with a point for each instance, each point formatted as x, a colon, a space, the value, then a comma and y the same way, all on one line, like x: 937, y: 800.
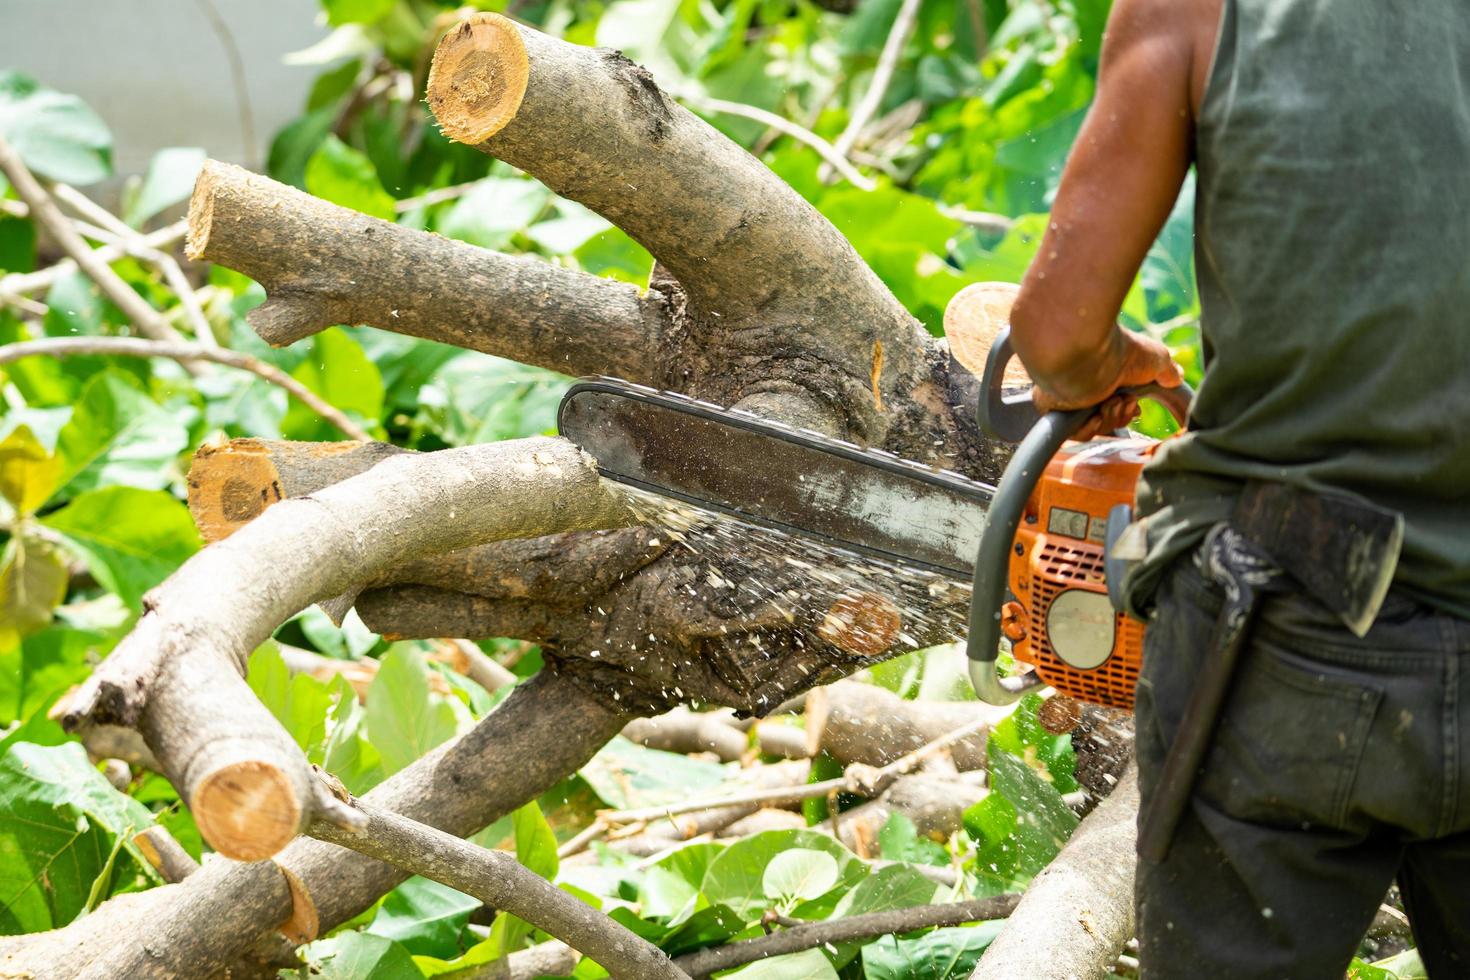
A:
x: 793, y: 480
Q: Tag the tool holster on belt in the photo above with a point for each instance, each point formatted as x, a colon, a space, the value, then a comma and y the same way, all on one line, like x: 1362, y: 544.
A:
x: 1339, y: 550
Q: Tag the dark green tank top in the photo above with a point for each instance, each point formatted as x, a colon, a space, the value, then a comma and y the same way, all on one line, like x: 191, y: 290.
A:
x: 1332, y: 247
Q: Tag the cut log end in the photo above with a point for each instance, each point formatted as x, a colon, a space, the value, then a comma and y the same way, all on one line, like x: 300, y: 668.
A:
x: 223, y: 498
x: 201, y: 211
x: 478, y: 78
x: 971, y: 321
x: 231, y: 483
x: 865, y: 624
x: 247, y: 810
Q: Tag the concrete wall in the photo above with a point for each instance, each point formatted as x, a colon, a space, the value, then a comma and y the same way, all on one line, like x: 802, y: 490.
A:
x: 157, y: 72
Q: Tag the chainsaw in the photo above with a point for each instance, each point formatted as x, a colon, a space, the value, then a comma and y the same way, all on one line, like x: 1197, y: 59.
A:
x: 1035, y: 549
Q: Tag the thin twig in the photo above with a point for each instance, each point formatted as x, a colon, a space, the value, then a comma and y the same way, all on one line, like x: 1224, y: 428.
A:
x: 825, y: 150
x: 437, y: 196
x: 844, y: 929
x: 149, y: 321
x: 184, y: 352
x: 115, y: 231
x: 16, y: 285
x: 861, y: 780
x: 898, y: 36
x: 984, y: 220
x: 237, y: 79
x: 499, y: 881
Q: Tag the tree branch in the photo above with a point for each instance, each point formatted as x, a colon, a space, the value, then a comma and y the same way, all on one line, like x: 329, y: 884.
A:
x: 1078, y: 912
x: 868, y: 105
x: 781, y: 124
x: 781, y: 309
x: 496, y: 879
x: 149, y: 321
x: 330, y: 265
x: 185, y: 352
x: 178, y: 677
x: 846, y: 929
x: 14, y: 286
x: 226, y: 914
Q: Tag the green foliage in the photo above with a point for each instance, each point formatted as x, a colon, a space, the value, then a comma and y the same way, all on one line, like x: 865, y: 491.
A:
x: 56, y: 135
x: 404, y: 719
x: 65, y: 838
x: 170, y: 179
x: 943, y: 954
x: 626, y: 775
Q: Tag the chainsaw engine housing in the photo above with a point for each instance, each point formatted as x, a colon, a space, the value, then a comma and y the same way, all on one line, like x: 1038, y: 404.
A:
x: 1061, y: 620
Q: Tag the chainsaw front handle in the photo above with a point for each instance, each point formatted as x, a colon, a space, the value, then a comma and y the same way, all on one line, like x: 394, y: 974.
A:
x: 1011, y: 417
x: 982, y: 646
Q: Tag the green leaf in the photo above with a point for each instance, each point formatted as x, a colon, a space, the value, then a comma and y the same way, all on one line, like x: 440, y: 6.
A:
x: 56, y: 135
x: 662, y: 894
x: 625, y: 774
x: 535, y: 842
x: 404, y: 718
x: 170, y: 179
x: 17, y: 245
x: 944, y: 954
x: 302, y: 704
x: 58, y: 828
x: 118, y: 435
x: 337, y: 369
x: 1405, y: 966
x: 1359, y: 970
x: 494, y: 210
x: 1021, y: 825
x: 358, y: 956
x: 338, y: 173
x: 33, y: 579
x: 899, y: 840
x: 614, y: 255
x: 129, y: 539
x: 800, y: 874
x: 536, y: 849
x: 737, y: 876
x: 341, y: 12
x: 1022, y: 734
x: 28, y: 473
x: 809, y: 964
x: 43, y: 665
x: 425, y: 917
x: 894, y: 886
x: 350, y: 641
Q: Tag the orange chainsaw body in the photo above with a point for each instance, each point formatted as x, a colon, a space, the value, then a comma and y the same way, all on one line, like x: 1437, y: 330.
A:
x: 1060, y: 620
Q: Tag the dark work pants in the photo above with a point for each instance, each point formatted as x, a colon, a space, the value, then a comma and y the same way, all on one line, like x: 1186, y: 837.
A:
x: 1339, y: 764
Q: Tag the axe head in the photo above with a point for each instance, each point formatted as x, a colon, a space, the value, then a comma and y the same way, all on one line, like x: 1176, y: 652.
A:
x: 1342, y: 550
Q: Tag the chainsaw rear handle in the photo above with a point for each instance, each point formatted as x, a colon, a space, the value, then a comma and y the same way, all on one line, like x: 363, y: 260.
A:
x: 1014, y: 418
x: 1011, y: 417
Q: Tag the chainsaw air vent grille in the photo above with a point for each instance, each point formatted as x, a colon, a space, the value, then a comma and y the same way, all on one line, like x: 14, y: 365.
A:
x: 1059, y: 567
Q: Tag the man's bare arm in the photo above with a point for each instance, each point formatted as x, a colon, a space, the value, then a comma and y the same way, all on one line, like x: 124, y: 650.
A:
x: 1118, y: 187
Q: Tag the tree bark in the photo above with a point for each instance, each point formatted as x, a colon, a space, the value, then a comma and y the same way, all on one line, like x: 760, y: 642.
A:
x: 178, y: 677
x: 226, y: 914
x: 322, y: 264
x: 1078, y: 913
x: 761, y: 268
